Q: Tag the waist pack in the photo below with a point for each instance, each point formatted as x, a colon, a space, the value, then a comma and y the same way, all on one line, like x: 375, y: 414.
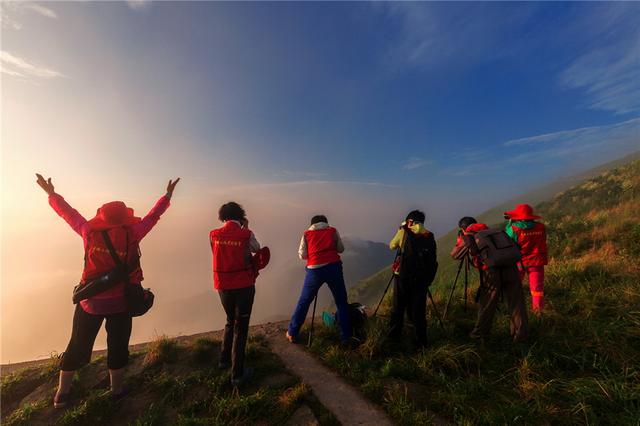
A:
x: 138, y: 299
x: 496, y: 249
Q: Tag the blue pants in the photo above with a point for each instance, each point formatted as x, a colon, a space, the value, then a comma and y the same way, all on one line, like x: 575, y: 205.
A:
x: 332, y: 275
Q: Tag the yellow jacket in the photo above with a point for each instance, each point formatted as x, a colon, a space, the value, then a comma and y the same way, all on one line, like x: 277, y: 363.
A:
x: 416, y: 228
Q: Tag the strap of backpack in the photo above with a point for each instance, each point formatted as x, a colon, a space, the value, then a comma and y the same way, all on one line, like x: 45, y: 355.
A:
x: 112, y: 250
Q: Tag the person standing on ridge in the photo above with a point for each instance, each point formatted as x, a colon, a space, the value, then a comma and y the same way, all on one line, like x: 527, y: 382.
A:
x: 320, y: 246
x: 414, y: 270
x: 531, y: 237
x: 234, y: 278
x: 494, y: 280
x: 115, y: 225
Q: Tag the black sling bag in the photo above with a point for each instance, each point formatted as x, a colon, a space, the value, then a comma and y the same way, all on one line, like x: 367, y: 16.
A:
x: 138, y: 299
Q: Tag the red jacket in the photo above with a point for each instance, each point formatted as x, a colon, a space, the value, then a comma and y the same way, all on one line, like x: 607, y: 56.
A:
x: 321, y: 246
x: 232, y: 262
x: 97, y: 258
x: 461, y: 249
x: 533, y: 244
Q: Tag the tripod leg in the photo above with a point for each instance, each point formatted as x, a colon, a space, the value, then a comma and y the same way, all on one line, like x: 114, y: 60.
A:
x: 313, y: 317
x: 466, y: 281
x: 384, y: 294
x: 435, y: 308
x: 453, y: 288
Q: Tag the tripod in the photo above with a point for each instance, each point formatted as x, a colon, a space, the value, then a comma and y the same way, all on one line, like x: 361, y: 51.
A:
x: 390, y: 280
x: 464, y: 263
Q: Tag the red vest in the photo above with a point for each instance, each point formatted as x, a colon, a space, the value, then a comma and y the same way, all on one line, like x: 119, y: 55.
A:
x: 533, y: 244
x: 321, y: 246
x: 232, y: 264
x: 98, y: 261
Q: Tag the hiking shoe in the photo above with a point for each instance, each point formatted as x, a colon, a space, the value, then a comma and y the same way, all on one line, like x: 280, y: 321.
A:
x: 246, y: 375
x: 115, y: 397
x: 290, y: 338
x: 60, y: 400
x: 223, y: 365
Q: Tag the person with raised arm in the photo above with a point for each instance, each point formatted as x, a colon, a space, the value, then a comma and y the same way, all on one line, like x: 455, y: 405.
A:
x: 111, y: 244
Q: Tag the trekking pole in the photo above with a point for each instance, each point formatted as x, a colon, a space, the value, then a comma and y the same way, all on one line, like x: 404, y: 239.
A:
x: 453, y: 288
x: 435, y: 308
x: 384, y: 294
x: 313, y: 317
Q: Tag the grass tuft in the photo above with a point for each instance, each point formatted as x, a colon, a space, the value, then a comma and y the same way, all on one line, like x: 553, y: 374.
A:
x: 161, y: 350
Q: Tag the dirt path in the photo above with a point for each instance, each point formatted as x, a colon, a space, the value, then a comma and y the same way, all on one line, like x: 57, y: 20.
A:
x: 342, y: 399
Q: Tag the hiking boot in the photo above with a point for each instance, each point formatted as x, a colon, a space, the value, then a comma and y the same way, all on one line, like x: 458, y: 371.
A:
x: 290, y: 338
x: 246, y: 375
x: 60, y: 400
x: 115, y: 397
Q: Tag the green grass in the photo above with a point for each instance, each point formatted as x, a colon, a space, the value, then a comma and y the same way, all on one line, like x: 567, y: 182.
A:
x: 581, y: 364
x: 171, y: 383
x: 23, y: 415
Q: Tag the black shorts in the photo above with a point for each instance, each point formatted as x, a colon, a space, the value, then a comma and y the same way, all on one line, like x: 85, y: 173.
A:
x: 83, y: 336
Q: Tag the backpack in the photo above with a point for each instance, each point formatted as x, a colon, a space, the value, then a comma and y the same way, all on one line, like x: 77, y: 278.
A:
x: 496, y: 249
x: 357, y: 315
x: 358, y: 319
x: 418, y: 259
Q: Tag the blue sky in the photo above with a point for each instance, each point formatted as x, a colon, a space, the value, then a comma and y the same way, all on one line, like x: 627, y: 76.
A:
x: 361, y: 111
x: 428, y: 98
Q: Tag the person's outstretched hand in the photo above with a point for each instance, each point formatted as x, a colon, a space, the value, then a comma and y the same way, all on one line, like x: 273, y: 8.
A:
x: 171, y: 186
x: 45, y: 184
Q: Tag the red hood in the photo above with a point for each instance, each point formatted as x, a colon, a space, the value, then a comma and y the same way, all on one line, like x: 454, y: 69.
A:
x: 476, y: 227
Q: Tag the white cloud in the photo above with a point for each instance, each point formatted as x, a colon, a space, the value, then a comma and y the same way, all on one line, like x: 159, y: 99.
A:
x: 18, y: 67
x: 414, y: 163
x: 608, y: 68
x: 139, y: 4
x: 586, y: 146
x: 9, y: 10
x: 41, y: 10
x: 630, y: 127
x: 292, y: 173
x: 432, y: 34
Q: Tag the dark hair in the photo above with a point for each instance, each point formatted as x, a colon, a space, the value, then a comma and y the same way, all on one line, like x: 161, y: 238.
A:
x: 466, y: 221
x: 416, y: 216
x: 231, y: 211
x: 319, y: 218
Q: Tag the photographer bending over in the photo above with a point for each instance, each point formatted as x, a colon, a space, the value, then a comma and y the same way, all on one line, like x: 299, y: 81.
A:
x: 125, y: 231
x: 494, y: 280
x: 414, y: 270
x: 319, y: 246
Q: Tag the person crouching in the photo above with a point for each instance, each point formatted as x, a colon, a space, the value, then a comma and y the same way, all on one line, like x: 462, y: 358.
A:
x: 494, y: 280
x: 234, y: 278
x: 320, y: 246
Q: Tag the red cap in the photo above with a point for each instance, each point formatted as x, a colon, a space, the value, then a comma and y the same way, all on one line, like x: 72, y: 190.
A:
x: 522, y: 212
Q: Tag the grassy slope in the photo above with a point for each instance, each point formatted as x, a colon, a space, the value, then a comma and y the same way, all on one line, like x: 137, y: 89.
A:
x: 582, y: 362
x: 171, y: 383
x: 369, y: 290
